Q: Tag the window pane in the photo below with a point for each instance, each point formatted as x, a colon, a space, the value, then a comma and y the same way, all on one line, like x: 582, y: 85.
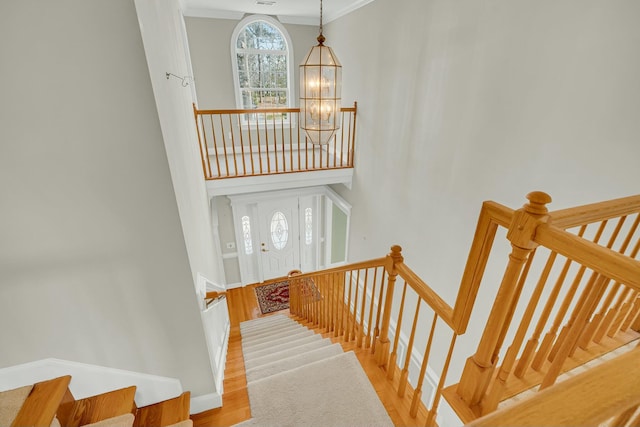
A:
x: 262, y: 58
x: 308, y: 226
x: 279, y: 230
x: 246, y: 235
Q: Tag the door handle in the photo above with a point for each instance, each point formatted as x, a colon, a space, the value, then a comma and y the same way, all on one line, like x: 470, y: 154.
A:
x: 264, y: 250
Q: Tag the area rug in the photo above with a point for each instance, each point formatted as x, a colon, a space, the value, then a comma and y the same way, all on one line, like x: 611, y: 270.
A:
x: 273, y: 297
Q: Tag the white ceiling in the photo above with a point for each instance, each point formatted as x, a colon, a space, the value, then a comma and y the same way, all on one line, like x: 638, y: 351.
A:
x: 288, y: 11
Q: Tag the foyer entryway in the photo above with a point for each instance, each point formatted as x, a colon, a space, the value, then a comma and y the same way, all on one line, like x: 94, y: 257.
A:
x: 279, y: 236
x: 279, y: 231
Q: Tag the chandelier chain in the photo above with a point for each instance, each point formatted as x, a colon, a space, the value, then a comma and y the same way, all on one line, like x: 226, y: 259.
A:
x: 321, y: 17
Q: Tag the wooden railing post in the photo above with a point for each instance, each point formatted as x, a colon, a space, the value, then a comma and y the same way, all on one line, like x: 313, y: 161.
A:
x: 479, y: 368
x: 382, y: 347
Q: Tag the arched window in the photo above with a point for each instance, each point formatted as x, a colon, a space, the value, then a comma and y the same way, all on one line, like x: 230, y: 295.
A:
x: 262, y: 56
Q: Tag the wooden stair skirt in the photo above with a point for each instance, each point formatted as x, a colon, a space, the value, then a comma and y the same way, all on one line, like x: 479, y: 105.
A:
x: 50, y: 403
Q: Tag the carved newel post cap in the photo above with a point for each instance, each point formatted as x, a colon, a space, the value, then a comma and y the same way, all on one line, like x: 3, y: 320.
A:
x: 537, y: 202
x: 396, y: 253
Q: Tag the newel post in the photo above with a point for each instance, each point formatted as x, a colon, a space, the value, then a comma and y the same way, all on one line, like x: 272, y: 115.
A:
x: 382, y: 347
x: 479, y: 368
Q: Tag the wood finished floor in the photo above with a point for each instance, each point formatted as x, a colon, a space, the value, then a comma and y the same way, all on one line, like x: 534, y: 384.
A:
x: 243, y: 305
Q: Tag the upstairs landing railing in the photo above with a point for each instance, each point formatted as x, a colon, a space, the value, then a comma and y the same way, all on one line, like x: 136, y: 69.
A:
x: 564, y: 298
x: 266, y: 141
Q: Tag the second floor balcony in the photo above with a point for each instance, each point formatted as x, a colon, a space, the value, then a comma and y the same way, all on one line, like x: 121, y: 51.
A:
x: 265, y: 149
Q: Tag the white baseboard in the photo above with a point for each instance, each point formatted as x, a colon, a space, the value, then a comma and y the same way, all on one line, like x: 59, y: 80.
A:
x: 234, y: 285
x: 205, y: 402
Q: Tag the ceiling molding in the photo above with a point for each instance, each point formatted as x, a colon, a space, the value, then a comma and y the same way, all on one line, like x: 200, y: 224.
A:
x: 212, y: 13
x: 339, y: 14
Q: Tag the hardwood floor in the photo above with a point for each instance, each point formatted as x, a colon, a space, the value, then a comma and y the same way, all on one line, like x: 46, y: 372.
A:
x: 243, y: 306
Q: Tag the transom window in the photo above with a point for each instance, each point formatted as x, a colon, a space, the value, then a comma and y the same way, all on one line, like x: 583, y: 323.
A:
x: 261, y: 53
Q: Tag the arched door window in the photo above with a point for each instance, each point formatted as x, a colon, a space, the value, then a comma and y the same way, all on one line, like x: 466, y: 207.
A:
x: 261, y: 56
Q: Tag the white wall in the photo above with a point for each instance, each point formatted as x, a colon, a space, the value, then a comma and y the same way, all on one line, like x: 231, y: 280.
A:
x: 93, y: 264
x: 460, y: 102
x: 210, y: 43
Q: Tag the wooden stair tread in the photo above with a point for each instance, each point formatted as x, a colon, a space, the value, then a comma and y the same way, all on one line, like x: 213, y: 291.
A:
x: 165, y: 413
x: 42, y: 403
x: 97, y: 408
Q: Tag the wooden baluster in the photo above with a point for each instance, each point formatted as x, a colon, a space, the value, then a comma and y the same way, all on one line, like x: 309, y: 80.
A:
x: 404, y: 375
x: 244, y: 161
x: 479, y: 368
x: 367, y: 343
x: 391, y: 367
x: 266, y: 144
x: 631, y: 320
x: 259, y: 142
x: 382, y: 348
x: 224, y: 145
x: 573, y: 334
x: 433, y: 411
x: 550, y: 337
x: 335, y: 158
x: 347, y: 327
x: 594, y: 324
x: 547, y: 348
x: 354, y: 325
x: 233, y: 146
x: 291, y: 144
x: 623, y: 418
x: 360, y: 331
x: 532, y: 344
x: 625, y: 311
x: 331, y: 302
x: 417, y: 393
x: 584, y: 297
x: 376, y: 331
x: 284, y: 162
x: 613, y: 318
x: 215, y: 145
x: 494, y: 397
x: 613, y: 314
x: 341, y: 318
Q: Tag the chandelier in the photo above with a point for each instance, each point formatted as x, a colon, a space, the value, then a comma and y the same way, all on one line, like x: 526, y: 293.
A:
x: 320, y: 91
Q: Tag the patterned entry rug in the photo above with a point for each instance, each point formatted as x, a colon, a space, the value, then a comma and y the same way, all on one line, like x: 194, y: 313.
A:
x: 273, y: 297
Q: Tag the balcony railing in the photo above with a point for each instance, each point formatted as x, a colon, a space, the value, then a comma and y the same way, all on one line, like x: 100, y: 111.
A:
x: 239, y: 143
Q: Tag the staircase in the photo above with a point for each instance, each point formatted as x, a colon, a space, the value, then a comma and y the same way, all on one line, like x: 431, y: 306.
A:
x: 297, y: 377
x: 50, y: 403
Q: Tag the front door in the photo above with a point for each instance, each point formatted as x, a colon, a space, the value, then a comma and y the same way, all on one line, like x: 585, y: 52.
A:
x: 279, y: 237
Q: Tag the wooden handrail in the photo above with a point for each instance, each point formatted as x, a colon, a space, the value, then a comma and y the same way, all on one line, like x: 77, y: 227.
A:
x: 491, y: 216
x: 587, y: 214
x: 444, y: 310
x: 259, y: 110
x: 611, y: 264
x: 589, y: 398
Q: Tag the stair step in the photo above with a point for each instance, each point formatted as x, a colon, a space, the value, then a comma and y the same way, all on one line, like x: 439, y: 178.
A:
x: 292, y: 362
x: 277, y: 355
x: 267, y: 332
x: 289, y: 344
x: 262, y: 321
x: 273, y: 336
x: 275, y: 342
x: 266, y: 327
